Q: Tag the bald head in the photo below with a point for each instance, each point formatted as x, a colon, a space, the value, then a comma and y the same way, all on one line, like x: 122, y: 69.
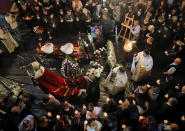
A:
x: 177, y: 61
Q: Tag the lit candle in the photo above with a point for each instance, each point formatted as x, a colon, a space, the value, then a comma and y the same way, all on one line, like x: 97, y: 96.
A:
x: 128, y: 46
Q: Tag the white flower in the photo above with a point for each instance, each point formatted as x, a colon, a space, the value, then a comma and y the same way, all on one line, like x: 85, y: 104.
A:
x: 91, y: 70
x: 94, y: 64
x: 101, y: 70
x: 91, y: 62
x: 18, y: 88
x: 88, y: 73
x: 109, y: 57
x: 101, y: 49
x: 96, y: 51
x: 97, y: 73
x: 16, y: 92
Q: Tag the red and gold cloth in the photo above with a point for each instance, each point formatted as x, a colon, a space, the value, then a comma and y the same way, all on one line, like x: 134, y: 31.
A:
x: 60, y: 86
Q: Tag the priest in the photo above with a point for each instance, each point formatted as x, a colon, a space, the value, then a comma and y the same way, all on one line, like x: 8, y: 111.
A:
x: 143, y: 67
x: 54, y: 84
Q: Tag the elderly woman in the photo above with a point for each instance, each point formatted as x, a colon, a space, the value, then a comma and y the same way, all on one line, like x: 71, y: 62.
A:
x: 76, y: 3
x: 151, y: 29
x: 86, y: 19
x: 28, y: 123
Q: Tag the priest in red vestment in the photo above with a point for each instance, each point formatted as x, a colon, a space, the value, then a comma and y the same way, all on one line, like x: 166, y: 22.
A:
x: 59, y: 86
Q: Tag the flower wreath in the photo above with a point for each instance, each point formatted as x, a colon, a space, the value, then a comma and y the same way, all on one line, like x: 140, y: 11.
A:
x: 111, y: 54
x: 69, y: 68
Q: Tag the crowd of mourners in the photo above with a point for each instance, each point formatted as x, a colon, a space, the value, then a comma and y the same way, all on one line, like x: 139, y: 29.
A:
x: 158, y: 106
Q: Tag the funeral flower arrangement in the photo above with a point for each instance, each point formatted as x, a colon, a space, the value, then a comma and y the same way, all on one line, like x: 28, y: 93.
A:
x: 14, y: 88
x: 98, y: 53
x: 111, y: 54
x: 70, y: 68
x: 47, y: 48
x: 38, y: 30
x: 96, y: 69
x: 67, y: 48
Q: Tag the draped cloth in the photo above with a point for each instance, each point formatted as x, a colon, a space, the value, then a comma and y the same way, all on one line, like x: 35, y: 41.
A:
x: 140, y: 73
x: 8, y: 41
x: 60, y: 86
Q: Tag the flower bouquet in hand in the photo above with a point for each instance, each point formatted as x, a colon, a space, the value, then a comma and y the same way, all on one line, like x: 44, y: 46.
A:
x: 38, y: 30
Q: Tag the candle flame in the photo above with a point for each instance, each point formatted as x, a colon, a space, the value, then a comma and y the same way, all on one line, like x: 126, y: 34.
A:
x: 128, y: 46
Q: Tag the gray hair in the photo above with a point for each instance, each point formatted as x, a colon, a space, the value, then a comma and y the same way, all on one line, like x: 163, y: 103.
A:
x: 151, y: 27
x: 174, y: 18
